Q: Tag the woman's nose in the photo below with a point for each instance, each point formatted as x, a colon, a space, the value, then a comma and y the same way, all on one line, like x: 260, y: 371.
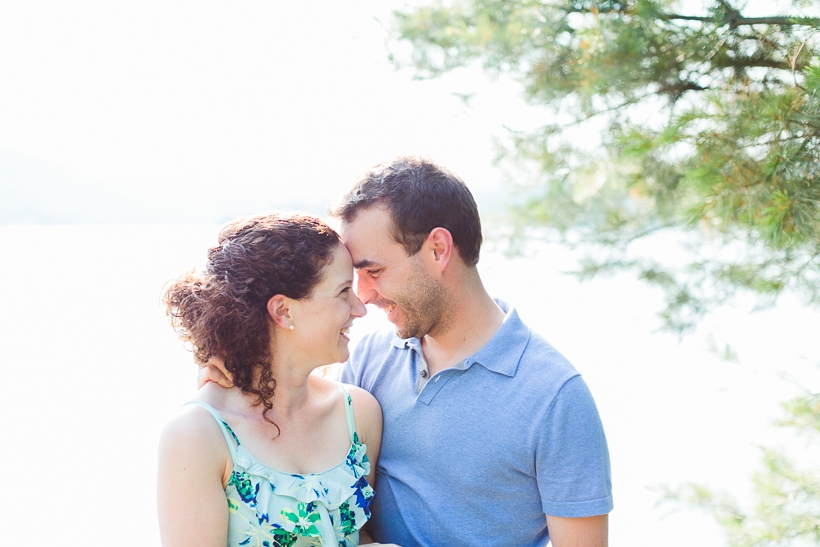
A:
x: 359, y: 309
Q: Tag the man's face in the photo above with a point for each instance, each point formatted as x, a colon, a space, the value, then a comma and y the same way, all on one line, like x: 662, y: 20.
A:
x: 400, y: 285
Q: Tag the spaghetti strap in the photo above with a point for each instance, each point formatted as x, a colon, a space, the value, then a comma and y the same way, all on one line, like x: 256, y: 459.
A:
x: 230, y: 437
x: 351, y: 424
x: 288, y: 508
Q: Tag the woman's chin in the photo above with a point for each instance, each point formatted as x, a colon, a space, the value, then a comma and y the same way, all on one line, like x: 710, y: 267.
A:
x: 343, y: 356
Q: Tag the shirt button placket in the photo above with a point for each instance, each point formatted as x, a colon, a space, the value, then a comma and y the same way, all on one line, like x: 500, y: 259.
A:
x: 422, y: 381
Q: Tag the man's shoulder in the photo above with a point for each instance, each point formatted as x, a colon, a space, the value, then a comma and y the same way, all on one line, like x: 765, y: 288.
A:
x: 538, y: 361
x: 540, y: 351
x: 371, y: 351
x: 377, y: 341
x: 369, y: 355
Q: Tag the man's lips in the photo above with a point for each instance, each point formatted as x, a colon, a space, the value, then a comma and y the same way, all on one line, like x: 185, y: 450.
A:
x: 385, y: 305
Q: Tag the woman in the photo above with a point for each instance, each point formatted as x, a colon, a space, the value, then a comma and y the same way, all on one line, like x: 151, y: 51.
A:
x: 293, y: 453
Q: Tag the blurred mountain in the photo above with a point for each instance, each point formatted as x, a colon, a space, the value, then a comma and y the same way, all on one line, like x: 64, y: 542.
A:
x: 34, y: 192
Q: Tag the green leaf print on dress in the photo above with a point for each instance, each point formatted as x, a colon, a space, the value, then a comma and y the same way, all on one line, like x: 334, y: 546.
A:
x: 347, y: 519
x: 283, y: 538
x: 245, y: 487
x: 270, y: 508
x: 305, y: 518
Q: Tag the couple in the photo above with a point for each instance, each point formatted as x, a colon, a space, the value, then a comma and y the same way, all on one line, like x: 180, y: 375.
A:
x: 490, y: 436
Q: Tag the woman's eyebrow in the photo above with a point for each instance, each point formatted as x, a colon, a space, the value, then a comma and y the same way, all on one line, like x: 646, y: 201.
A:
x: 344, y: 284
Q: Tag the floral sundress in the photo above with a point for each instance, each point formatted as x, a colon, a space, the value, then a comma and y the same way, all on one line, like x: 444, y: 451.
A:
x: 269, y: 508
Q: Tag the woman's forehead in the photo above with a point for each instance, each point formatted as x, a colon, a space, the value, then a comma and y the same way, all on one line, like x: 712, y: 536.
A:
x: 339, y: 269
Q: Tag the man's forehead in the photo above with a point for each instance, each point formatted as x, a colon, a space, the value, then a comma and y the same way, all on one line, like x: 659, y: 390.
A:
x: 367, y: 237
x: 364, y: 247
x: 368, y: 226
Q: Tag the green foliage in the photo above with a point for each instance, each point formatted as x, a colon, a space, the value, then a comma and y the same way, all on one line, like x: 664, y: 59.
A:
x: 804, y: 414
x: 707, y: 126
x: 711, y: 124
x: 785, y: 510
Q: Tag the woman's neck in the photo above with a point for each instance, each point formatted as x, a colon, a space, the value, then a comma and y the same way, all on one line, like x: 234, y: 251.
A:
x: 292, y: 387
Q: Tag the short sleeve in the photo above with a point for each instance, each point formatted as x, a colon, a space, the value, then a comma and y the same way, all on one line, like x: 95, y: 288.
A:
x: 572, y: 458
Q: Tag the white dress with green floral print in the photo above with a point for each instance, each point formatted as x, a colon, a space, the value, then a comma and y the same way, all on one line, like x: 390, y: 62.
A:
x: 268, y: 508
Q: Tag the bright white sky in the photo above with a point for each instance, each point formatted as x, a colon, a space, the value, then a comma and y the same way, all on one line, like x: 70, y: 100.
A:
x: 200, y: 111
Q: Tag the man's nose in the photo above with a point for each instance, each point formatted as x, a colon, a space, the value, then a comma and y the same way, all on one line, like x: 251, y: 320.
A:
x: 364, y: 288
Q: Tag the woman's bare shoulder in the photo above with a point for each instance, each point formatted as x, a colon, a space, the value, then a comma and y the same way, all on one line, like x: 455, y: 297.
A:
x: 363, y: 399
x: 367, y: 412
x: 194, y: 431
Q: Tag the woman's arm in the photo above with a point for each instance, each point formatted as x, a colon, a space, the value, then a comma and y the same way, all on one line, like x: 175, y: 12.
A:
x: 194, y: 463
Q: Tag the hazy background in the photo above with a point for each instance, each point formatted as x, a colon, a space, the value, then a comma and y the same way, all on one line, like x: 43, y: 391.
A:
x: 130, y: 132
x: 201, y: 111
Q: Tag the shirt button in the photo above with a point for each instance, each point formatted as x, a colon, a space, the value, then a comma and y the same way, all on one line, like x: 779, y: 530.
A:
x: 423, y: 373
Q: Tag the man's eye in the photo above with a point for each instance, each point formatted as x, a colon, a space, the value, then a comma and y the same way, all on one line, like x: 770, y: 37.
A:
x: 373, y: 273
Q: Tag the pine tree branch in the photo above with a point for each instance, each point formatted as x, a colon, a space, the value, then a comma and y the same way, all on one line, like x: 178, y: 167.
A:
x: 735, y: 20
x: 677, y: 89
x: 740, y: 63
x: 732, y: 18
x: 609, y: 109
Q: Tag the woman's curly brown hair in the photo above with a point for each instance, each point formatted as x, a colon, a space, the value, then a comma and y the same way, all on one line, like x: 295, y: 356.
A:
x: 223, y: 310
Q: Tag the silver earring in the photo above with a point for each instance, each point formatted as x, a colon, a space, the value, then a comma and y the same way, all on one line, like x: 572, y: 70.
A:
x: 292, y: 327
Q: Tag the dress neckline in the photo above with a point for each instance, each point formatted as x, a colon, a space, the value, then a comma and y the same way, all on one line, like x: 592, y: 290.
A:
x: 235, y: 452
x: 256, y: 461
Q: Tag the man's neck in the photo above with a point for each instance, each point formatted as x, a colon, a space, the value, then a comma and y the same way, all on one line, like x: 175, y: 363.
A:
x: 475, y: 318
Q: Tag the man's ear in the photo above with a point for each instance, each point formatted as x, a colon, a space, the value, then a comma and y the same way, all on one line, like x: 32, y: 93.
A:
x: 440, y: 247
x: 279, y: 310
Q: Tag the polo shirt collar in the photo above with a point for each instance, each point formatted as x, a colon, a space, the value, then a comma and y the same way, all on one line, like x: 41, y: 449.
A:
x: 501, y: 353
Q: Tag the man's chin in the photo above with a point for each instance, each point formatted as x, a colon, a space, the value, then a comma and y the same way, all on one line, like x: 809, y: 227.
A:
x: 405, y: 329
x: 408, y: 332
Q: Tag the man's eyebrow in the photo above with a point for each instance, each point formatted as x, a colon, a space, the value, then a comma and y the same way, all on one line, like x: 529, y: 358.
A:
x: 366, y: 263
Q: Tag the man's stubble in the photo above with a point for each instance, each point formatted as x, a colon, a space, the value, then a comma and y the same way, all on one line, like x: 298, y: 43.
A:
x: 426, y: 304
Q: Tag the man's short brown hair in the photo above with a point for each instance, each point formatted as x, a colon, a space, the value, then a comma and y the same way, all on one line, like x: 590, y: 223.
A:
x: 420, y: 196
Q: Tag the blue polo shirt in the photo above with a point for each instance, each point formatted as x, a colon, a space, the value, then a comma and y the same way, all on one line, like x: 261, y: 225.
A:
x: 478, y: 453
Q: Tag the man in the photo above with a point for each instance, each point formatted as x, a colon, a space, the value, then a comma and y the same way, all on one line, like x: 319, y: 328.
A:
x: 490, y: 435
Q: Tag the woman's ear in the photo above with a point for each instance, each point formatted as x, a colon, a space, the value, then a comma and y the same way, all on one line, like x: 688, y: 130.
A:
x: 279, y: 311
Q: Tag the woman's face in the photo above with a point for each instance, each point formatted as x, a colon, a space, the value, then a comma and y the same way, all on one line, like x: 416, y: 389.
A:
x: 321, y: 321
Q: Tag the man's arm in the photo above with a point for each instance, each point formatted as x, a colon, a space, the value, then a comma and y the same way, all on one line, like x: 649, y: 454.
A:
x: 573, y: 470
x: 579, y: 532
